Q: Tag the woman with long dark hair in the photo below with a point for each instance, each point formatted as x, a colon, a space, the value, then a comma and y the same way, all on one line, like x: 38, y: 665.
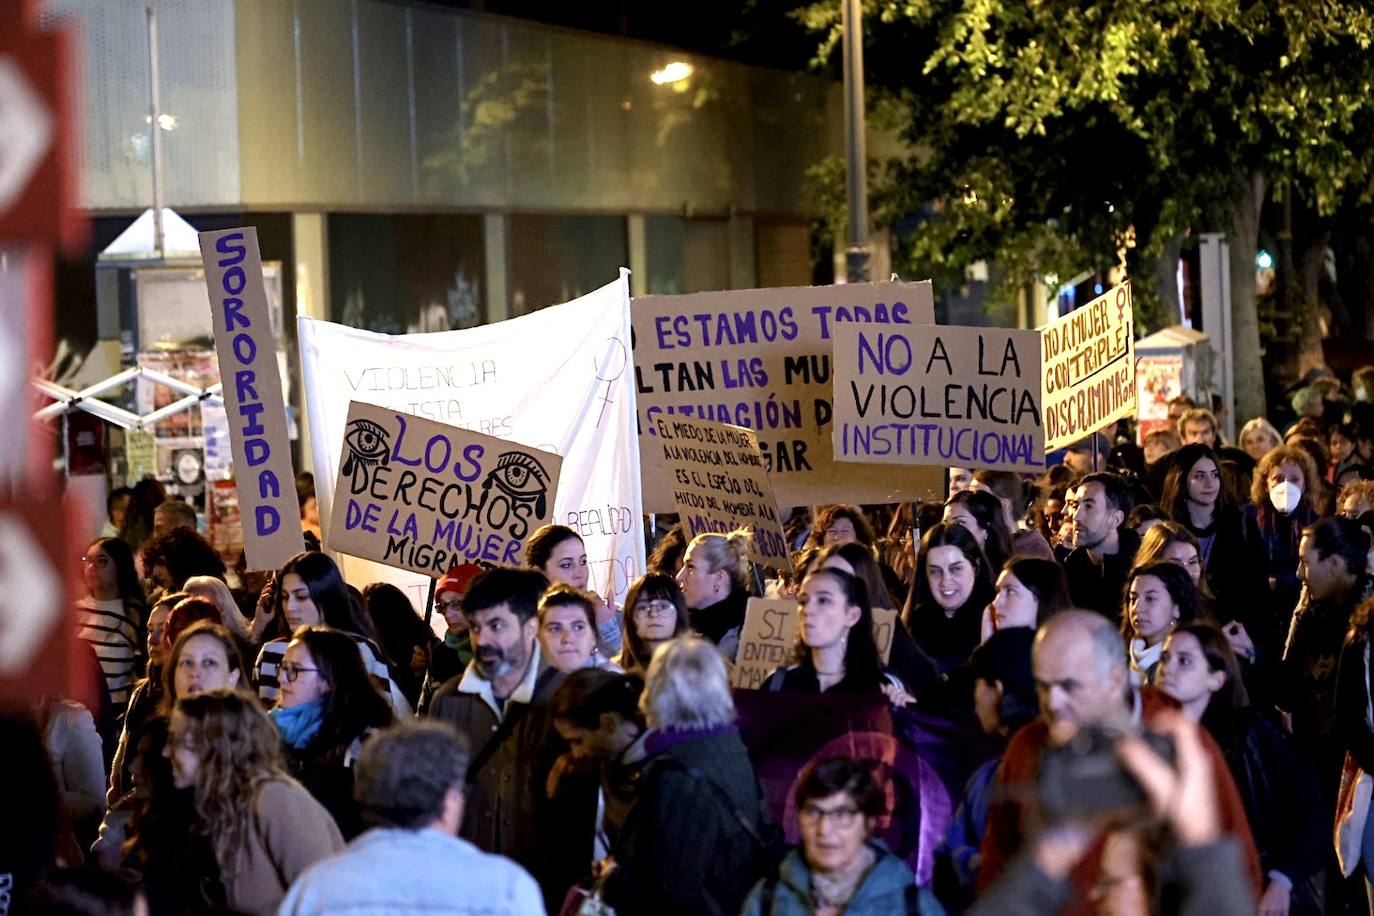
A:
x: 1277, y: 785
x: 953, y: 585
x: 981, y: 513
x: 325, y: 708
x: 401, y: 633
x: 1231, y: 546
x: 835, y: 650
x: 1159, y: 597
x: 654, y: 613
x: 110, y: 617
x: 597, y: 713
x: 309, y: 591
x: 1029, y: 592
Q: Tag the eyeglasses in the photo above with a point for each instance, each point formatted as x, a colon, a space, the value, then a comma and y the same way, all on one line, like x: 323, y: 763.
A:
x: 842, y: 817
x: 97, y: 560
x: 291, y: 672
x: 650, y: 608
x: 449, y: 605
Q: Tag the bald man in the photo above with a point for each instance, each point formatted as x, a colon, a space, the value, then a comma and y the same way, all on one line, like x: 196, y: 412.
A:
x: 1081, y: 679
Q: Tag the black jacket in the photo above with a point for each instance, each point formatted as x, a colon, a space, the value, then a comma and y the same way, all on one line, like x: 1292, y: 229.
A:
x: 1283, y: 804
x: 1236, y: 568
x: 1099, y: 586
x: 947, y: 640
x: 683, y: 850
x: 716, y: 620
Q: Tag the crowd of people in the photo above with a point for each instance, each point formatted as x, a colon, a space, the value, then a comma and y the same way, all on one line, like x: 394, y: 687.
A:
x: 1168, y: 644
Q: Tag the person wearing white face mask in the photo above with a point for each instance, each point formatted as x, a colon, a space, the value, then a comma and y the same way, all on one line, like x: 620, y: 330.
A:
x: 1282, y: 504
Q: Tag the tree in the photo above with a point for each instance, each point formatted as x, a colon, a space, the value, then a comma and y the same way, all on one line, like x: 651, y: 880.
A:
x: 1056, y: 136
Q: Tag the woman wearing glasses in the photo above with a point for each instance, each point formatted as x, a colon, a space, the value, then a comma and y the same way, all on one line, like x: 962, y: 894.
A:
x: 325, y: 708
x: 655, y: 612
x: 841, y: 867
x: 309, y: 591
x: 263, y: 828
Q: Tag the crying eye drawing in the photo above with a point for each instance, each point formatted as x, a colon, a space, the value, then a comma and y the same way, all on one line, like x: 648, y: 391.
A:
x: 521, y: 475
x: 367, y: 445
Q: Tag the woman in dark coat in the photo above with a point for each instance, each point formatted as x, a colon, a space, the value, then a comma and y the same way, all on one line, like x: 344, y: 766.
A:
x: 1232, y: 550
x: 691, y: 843
x: 953, y: 585
x: 1277, y: 785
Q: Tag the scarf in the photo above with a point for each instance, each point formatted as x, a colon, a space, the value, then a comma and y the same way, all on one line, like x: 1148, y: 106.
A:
x: 299, y: 724
x: 656, y: 742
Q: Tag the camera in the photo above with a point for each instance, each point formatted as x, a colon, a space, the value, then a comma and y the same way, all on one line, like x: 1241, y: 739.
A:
x: 1084, y: 777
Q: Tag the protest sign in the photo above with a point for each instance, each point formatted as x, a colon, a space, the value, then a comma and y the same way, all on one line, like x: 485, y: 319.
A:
x: 720, y: 483
x: 557, y: 379
x: 1088, y: 360
x: 140, y: 455
x: 760, y: 358
x: 941, y: 396
x: 770, y: 632
x: 424, y: 496
x: 247, y: 351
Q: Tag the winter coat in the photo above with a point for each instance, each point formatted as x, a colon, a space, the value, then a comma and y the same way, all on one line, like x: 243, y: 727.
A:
x: 508, y: 810
x: 888, y: 889
x: 683, y: 850
x: 1100, y: 586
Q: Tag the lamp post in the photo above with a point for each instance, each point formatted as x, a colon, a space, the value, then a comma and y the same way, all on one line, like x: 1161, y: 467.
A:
x: 856, y: 156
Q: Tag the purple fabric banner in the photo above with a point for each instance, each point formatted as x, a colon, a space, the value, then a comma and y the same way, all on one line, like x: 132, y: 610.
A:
x: 924, y: 760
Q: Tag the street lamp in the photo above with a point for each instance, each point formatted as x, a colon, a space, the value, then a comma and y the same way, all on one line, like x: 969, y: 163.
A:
x: 856, y: 155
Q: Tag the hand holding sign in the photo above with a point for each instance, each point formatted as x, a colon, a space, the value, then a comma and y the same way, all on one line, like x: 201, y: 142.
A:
x: 421, y: 495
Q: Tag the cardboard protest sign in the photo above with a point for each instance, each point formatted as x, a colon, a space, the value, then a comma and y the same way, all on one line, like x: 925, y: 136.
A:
x: 423, y: 496
x: 247, y: 351
x: 1088, y: 360
x: 962, y: 396
x: 720, y: 483
x: 770, y: 632
x: 558, y: 379
x: 760, y: 358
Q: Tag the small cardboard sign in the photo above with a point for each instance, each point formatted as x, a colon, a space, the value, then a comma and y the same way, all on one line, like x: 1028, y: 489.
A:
x: 720, y: 484
x: 247, y: 351
x: 770, y: 632
x: 1088, y: 358
x: 423, y: 496
x: 941, y: 396
x: 760, y: 358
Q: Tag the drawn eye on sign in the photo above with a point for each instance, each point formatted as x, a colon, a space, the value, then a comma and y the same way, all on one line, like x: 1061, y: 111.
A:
x: 368, y: 444
x: 610, y: 367
x: 521, y: 490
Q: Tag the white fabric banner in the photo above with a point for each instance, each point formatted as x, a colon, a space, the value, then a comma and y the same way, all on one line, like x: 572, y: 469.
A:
x: 559, y: 379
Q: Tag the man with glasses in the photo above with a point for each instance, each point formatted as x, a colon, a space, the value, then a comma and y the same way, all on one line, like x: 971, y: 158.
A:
x: 447, y: 659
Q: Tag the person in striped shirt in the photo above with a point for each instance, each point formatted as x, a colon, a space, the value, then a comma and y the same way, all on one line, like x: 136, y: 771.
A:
x: 110, y: 616
x: 308, y: 591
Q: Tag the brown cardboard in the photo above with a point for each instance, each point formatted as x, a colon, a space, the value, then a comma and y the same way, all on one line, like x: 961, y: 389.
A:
x: 939, y: 396
x: 761, y: 358
x: 720, y: 484
x: 421, y: 495
x: 1088, y: 359
x: 247, y: 351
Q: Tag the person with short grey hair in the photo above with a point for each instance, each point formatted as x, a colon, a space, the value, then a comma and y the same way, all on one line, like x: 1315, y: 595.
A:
x: 687, y: 687
x: 1082, y: 681
x: 685, y: 847
x: 408, y: 783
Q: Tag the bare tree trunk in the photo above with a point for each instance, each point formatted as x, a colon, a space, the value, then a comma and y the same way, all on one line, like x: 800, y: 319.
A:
x: 1310, y: 265
x: 1247, y: 367
x: 1166, y: 282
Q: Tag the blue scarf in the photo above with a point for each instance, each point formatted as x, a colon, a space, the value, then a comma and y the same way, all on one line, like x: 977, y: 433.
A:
x: 299, y: 724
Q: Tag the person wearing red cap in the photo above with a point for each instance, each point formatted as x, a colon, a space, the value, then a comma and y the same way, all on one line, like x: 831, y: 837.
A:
x: 449, y: 658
